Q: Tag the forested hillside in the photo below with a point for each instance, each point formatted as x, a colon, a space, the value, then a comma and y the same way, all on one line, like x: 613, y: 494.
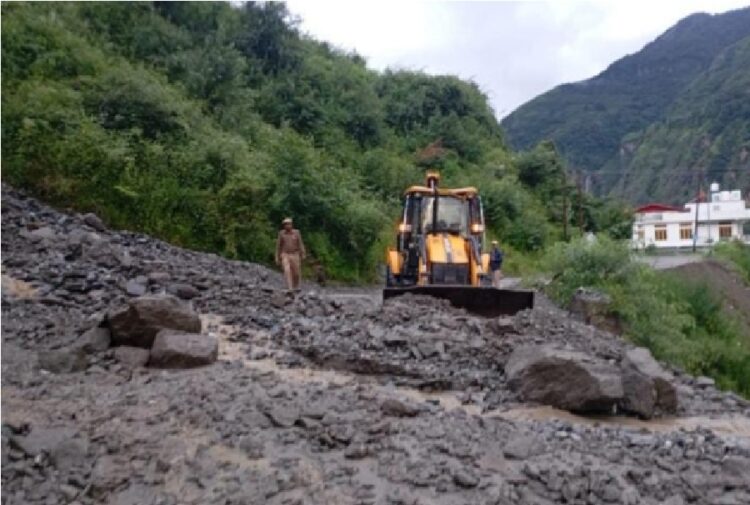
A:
x: 205, y: 124
x: 657, y: 123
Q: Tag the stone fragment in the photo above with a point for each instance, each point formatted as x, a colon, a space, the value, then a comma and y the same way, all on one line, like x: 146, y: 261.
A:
x: 736, y: 472
x: 398, y: 408
x: 465, y: 478
x: 93, y: 221
x: 356, y: 451
x: 95, y: 339
x: 135, y: 288
x: 283, y: 417
x: 108, y: 473
x: 134, y: 494
x: 158, y: 277
x: 43, y: 233
x: 705, y: 382
x: 184, y: 291
x: 65, y: 360
x: 132, y: 357
x: 253, y: 448
x: 501, y: 325
x: 521, y: 447
x: 43, y: 440
x: 69, y: 454
x: 173, y: 349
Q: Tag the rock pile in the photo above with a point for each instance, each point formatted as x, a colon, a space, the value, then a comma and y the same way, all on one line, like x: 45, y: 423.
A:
x: 167, y: 327
x: 324, y: 397
x: 137, y: 323
x: 155, y: 330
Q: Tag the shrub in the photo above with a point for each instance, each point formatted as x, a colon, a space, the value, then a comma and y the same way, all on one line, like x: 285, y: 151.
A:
x: 738, y: 254
x: 679, y: 320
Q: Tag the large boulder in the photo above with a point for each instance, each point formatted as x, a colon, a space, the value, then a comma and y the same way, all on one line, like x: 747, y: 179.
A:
x: 137, y: 323
x: 564, y: 379
x: 647, y: 386
x: 183, y: 350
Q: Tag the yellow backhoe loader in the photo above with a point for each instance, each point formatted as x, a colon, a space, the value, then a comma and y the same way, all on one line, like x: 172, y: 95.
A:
x: 439, y: 252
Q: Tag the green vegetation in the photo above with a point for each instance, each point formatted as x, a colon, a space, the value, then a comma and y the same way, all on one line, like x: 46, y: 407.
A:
x: 205, y: 124
x: 657, y: 123
x: 681, y: 321
x: 737, y: 254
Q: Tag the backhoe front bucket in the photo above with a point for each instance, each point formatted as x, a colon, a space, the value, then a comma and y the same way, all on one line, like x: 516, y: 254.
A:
x: 483, y: 301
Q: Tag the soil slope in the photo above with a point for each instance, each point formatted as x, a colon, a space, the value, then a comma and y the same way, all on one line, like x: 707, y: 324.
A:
x: 724, y: 283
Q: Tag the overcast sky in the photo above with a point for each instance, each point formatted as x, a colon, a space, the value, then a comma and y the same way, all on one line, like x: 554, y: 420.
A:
x: 513, y: 50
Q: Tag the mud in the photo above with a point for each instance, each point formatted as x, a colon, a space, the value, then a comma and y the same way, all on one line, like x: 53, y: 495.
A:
x: 324, y: 397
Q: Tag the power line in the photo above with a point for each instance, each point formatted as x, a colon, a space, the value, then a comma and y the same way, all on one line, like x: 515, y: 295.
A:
x: 689, y: 171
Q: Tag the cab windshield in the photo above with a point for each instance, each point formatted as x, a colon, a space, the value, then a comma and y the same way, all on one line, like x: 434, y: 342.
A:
x: 452, y: 216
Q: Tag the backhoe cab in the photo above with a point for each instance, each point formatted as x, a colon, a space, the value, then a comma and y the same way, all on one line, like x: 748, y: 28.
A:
x: 439, y: 252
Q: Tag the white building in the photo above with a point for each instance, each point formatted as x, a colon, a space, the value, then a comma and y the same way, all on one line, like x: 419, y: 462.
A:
x: 725, y: 216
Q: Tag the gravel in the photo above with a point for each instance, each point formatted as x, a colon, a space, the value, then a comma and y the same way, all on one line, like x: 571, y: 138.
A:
x: 323, y: 397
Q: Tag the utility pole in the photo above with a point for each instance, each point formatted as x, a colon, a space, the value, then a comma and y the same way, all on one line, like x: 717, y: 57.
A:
x: 580, y: 202
x: 697, y: 206
x: 565, y: 205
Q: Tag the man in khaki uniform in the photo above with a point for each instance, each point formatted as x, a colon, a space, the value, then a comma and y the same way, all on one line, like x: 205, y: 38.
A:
x: 290, y: 251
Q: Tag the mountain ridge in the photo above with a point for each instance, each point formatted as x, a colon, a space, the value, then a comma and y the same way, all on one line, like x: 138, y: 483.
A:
x: 589, y: 120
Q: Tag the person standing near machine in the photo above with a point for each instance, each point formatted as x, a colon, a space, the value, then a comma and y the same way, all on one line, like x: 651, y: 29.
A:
x: 496, y: 264
x: 290, y: 251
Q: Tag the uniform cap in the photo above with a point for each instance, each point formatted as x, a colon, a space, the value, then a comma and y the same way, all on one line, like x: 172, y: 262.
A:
x: 287, y: 220
x: 494, y: 242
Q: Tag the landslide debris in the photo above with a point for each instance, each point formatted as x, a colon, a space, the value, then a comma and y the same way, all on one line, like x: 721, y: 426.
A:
x: 323, y: 397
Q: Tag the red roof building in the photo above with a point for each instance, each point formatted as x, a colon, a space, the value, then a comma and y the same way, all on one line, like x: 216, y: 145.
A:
x: 658, y: 207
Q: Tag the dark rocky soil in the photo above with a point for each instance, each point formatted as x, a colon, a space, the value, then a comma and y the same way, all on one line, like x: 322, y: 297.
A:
x: 324, y: 397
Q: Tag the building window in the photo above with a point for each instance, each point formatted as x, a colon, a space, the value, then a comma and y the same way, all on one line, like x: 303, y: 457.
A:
x: 725, y: 230
x: 641, y: 233
x: 660, y: 232
x: 686, y: 231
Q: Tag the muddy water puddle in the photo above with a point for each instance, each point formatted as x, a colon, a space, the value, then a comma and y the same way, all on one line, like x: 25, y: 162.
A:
x: 731, y: 425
